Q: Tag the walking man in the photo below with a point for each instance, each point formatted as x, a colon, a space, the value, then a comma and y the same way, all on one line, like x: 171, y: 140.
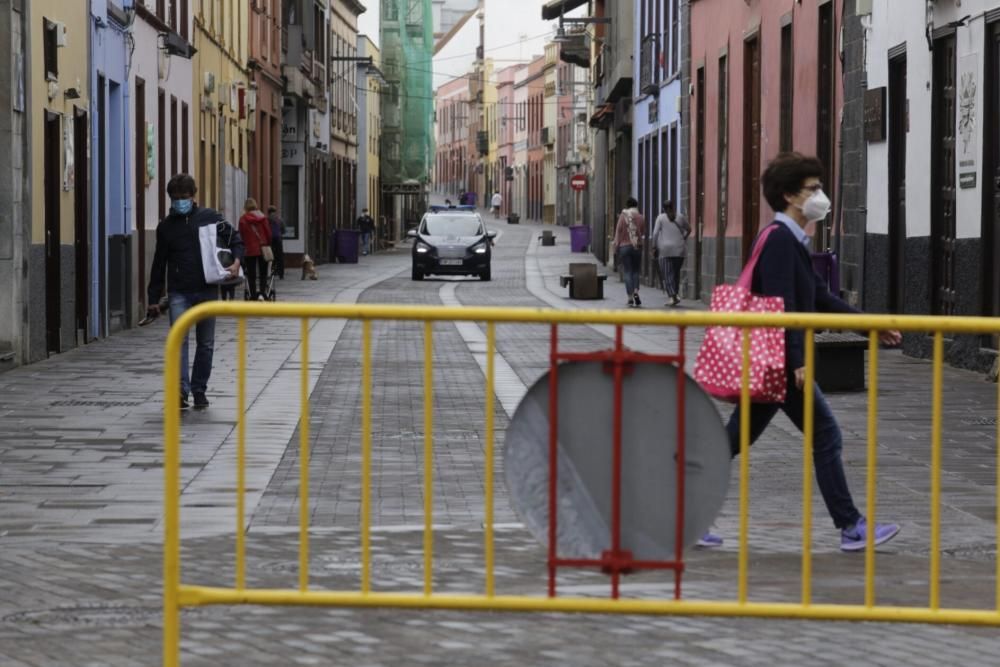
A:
x: 629, y: 234
x: 178, y: 255
x: 670, y: 234
x: 367, y: 227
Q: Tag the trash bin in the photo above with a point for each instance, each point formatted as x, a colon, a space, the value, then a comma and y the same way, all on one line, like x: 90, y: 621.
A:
x: 579, y: 238
x: 827, y: 266
x: 513, y: 219
x: 347, y: 246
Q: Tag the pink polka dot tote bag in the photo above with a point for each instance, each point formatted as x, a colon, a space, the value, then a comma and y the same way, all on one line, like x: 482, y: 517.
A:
x: 719, y: 364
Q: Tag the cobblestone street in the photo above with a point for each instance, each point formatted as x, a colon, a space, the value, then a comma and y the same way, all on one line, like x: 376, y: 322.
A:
x: 81, y: 467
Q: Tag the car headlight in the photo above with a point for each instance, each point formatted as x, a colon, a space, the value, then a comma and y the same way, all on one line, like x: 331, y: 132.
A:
x: 422, y: 247
x: 479, y: 248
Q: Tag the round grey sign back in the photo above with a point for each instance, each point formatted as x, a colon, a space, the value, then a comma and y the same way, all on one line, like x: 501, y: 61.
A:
x: 649, y: 445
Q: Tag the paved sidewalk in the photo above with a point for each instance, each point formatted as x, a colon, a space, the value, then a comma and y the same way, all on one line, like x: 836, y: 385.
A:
x: 81, y: 484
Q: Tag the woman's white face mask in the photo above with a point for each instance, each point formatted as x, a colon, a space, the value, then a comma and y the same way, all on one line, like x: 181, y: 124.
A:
x: 816, y: 207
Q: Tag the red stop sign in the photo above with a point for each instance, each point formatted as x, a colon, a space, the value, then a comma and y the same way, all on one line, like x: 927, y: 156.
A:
x: 578, y: 182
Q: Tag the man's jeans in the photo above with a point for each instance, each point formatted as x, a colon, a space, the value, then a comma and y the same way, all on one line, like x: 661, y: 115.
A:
x: 826, y: 446
x: 631, y: 259
x: 366, y: 242
x: 197, y: 381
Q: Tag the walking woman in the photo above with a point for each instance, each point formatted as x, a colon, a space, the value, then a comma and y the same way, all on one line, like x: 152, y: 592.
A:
x: 792, y: 187
x: 670, y: 234
x: 255, y: 230
x: 629, y: 233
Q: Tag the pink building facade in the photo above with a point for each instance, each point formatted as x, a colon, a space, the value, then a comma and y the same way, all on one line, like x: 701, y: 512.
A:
x: 765, y: 78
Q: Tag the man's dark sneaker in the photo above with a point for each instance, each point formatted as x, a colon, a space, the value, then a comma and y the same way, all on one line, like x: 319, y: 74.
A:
x: 184, y: 402
x: 637, y: 300
x: 630, y: 303
x: 200, y: 402
x: 855, y: 537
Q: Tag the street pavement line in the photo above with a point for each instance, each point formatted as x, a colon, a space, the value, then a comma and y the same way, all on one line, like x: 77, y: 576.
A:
x: 507, y: 385
x: 208, y: 504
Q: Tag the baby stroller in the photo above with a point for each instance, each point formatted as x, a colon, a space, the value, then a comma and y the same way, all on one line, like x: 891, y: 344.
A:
x: 269, y: 293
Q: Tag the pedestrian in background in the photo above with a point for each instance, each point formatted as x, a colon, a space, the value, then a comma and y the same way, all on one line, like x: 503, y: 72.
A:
x: 670, y: 233
x: 178, y: 255
x: 792, y: 187
x: 255, y: 229
x: 496, y: 203
x: 277, y: 240
x: 629, y: 234
x: 367, y: 226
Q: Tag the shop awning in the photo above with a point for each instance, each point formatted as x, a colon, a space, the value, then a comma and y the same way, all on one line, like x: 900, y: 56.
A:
x: 603, y: 115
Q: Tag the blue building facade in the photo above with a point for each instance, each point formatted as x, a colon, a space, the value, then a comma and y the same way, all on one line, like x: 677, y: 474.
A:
x: 656, y: 121
x: 111, y: 285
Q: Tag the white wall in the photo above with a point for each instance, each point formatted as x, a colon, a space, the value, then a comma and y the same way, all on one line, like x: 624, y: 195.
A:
x: 891, y: 27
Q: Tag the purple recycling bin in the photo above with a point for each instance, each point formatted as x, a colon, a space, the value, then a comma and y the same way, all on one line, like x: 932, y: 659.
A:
x: 579, y: 238
x: 347, y: 246
x: 828, y: 268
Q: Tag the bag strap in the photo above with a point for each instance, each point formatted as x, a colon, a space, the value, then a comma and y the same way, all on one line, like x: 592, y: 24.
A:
x: 746, y: 277
x: 253, y: 228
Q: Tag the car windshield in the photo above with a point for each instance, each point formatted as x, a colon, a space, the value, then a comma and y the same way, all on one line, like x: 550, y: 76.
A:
x: 452, y: 225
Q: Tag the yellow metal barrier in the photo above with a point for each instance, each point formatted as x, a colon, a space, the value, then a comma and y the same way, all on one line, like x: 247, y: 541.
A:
x: 176, y: 595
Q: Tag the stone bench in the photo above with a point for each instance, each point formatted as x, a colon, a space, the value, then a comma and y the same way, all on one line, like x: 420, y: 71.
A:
x: 584, y: 281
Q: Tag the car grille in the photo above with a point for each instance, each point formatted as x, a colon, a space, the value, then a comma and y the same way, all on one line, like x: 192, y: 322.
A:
x: 451, y: 252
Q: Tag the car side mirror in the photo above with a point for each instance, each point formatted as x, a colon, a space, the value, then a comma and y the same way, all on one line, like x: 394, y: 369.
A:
x: 491, y: 234
x: 411, y: 234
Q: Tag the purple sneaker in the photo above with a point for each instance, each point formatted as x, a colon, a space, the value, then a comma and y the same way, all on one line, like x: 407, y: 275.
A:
x: 854, y: 538
x: 709, y: 540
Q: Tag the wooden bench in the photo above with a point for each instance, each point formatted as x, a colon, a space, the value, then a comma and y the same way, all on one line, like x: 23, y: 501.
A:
x: 840, y: 361
x: 584, y: 281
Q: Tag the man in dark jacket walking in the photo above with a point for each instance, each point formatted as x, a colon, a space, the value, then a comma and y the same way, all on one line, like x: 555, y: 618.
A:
x: 367, y: 227
x: 178, y: 255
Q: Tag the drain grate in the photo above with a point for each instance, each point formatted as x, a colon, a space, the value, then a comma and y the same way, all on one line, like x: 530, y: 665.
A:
x: 97, y: 404
x: 97, y: 615
x: 982, y: 421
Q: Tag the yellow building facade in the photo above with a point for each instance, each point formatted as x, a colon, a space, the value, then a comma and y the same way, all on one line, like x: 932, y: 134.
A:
x: 224, y: 103
x: 56, y: 77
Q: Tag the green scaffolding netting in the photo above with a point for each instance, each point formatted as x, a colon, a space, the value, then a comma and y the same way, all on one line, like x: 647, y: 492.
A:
x: 407, y: 41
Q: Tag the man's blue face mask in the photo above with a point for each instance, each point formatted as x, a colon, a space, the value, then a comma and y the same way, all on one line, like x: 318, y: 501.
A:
x: 182, y: 206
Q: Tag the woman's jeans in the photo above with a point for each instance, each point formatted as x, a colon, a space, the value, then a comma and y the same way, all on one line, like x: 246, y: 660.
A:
x: 631, y: 261
x: 826, y: 446
x: 256, y: 275
x: 197, y: 380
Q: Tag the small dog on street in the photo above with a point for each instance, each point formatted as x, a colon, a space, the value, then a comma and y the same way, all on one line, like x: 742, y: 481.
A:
x: 309, y: 268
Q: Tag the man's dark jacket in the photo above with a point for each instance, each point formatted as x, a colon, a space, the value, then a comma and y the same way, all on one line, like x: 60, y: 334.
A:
x: 366, y: 224
x: 178, y: 251
x: 785, y: 269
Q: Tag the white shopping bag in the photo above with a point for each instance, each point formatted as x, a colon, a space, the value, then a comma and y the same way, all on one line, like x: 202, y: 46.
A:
x: 214, y: 259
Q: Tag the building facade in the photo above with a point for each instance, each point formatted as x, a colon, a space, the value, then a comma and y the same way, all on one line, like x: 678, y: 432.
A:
x: 60, y: 276
x: 344, y: 110
x: 932, y: 113
x: 265, y: 103
x: 161, y: 122
x: 519, y: 186
x: 507, y: 120
x: 111, y: 297
x: 221, y: 32
x: 766, y: 77
x: 370, y: 131
x: 656, y: 150
x: 451, y: 138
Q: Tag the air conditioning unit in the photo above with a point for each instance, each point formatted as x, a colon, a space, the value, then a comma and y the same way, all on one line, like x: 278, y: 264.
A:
x: 209, y: 85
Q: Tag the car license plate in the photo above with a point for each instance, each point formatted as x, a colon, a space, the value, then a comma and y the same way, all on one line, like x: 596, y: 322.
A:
x: 451, y: 262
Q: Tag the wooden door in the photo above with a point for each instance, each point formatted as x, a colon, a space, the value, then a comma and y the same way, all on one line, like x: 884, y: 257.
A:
x: 751, y: 143
x: 897, y: 184
x: 53, y: 273
x: 140, y: 186
x: 943, y: 112
x: 699, y: 172
x: 722, y: 221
